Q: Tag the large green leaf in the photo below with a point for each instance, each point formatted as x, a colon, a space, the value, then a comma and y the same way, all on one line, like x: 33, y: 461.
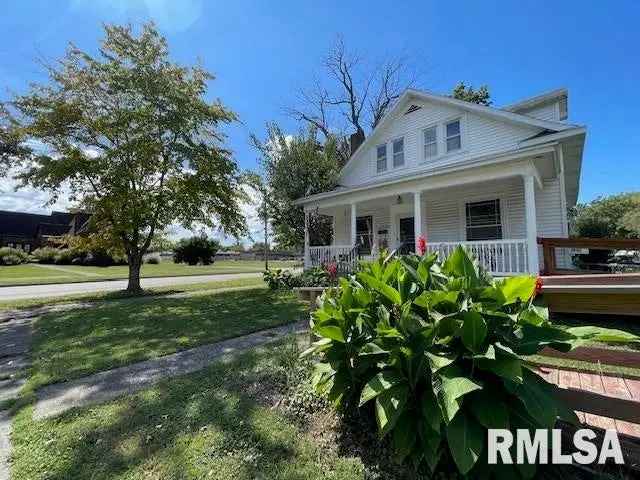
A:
x: 389, y: 406
x: 597, y: 334
x: 382, y: 381
x: 466, y: 441
x: 449, y: 385
x: 474, y: 330
x: 404, y: 435
x: 538, y: 398
x: 460, y: 264
x: 329, y: 330
x: 387, y: 290
x: 503, y: 366
x: 488, y: 409
x: 438, y: 360
x: 430, y: 410
x: 531, y: 339
x: 517, y: 288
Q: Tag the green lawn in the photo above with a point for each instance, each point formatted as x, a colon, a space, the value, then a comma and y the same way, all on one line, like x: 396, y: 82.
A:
x: 31, y: 274
x: 219, y: 423
x: 79, y: 342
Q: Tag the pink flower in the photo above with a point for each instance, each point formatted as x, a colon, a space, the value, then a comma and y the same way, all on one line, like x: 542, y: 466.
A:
x: 422, y: 244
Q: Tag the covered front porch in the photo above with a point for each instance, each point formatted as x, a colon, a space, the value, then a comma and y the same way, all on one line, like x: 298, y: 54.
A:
x: 497, y: 219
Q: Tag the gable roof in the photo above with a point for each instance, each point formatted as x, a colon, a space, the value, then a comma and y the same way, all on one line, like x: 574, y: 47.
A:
x: 529, y: 103
x: 497, y: 113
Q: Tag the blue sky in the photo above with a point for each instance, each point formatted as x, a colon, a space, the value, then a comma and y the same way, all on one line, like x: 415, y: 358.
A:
x: 262, y: 52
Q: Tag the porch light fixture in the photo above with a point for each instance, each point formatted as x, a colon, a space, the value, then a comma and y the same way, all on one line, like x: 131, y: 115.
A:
x: 399, y: 200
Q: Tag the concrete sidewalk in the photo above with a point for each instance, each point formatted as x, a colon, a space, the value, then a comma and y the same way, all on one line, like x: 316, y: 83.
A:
x: 60, y: 397
x: 63, y: 289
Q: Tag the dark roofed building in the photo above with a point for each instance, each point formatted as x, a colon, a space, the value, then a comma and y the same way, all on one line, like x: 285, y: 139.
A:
x: 29, y: 230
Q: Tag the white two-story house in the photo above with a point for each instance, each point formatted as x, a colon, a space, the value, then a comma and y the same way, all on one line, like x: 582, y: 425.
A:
x: 455, y: 172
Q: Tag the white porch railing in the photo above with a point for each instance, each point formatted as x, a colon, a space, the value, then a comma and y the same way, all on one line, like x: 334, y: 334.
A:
x: 329, y: 253
x: 500, y: 257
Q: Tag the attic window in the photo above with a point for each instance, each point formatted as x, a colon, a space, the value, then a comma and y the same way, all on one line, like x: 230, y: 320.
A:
x: 563, y: 108
x: 412, y: 109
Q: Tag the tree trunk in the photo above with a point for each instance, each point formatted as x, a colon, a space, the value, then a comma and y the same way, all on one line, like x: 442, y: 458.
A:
x: 135, y: 262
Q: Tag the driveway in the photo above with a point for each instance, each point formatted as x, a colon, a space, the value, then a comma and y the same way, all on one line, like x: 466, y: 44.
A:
x: 62, y: 289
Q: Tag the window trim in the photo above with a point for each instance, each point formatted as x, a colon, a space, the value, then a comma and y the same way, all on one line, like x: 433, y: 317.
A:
x: 424, y: 144
x: 393, y: 154
x: 445, y: 124
x: 386, y: 159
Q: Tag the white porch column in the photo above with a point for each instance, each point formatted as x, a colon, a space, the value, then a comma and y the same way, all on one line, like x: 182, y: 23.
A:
x: 307, y: 257
x: 353, y: 224
x: 417, y: 217
x: 530, y: 218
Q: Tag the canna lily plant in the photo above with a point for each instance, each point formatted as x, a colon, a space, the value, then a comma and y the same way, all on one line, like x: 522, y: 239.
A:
x: 437, y: 348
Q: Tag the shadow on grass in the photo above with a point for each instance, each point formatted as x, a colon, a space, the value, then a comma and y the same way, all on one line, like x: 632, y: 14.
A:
x: 79, y: 342
x: 213, y: 424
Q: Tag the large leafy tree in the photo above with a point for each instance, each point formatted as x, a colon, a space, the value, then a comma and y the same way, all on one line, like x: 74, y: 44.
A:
x: 615, y: 216
x: 296, y: 166
x: 481, y: 96
x: 134, y: 138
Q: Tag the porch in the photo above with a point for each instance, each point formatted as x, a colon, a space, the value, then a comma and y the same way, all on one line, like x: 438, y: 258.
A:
x: 496, y: 219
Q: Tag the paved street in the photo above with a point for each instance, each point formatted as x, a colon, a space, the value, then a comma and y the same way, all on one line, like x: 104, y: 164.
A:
x: 62, y: 289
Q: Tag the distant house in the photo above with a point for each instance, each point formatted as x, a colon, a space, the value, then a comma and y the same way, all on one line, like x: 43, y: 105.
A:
x: 28, y: 231
x: 454, y: 172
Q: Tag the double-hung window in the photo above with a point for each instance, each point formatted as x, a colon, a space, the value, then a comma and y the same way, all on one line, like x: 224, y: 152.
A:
x: 398, y: 152
x: 483, y: 220
x: 453, y: 136
x: 381, y: 158
x: 430, y: 142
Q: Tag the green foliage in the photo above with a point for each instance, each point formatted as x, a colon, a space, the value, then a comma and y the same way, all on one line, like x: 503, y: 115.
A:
x: 134, y: 137
x: 296, y: 166
x: 281, y: 279
x: 615, y: 216
x: 195, y: 250
x: 45, y: 254
x: 434, y: 350
x: 153, y: 261
x: 481, y: 96
x: 13, y: 256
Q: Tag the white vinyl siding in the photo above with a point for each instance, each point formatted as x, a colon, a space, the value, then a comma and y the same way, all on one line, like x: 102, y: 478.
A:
x: 481, y: 136
x: 548, y: 111
x: 398, y: 152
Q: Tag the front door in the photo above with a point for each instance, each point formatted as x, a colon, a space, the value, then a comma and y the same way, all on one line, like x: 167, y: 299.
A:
x: 407, y: 235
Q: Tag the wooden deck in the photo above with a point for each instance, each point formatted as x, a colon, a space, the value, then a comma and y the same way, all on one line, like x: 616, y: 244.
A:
x: 609, y: 386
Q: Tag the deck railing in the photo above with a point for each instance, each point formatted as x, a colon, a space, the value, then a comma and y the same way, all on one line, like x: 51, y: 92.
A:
x: 500, y: 257
x: 344, y: 256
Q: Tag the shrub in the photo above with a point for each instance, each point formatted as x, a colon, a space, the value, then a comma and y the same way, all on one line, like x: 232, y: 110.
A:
x: 278, y: 279
x: 45, y: 254
x: 434, y: 351
x: 13, y: 256
x: 153, y: 260
x: 65, y: 256
x: 194, y: 250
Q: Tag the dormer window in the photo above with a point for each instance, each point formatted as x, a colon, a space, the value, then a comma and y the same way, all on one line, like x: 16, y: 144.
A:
x: 398, y: 152
x: 381, y: 158
x: 453, y: 136
x: 430, y: 143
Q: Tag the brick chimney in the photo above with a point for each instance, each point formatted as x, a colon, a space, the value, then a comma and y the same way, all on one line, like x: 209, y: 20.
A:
x: 355, y: 140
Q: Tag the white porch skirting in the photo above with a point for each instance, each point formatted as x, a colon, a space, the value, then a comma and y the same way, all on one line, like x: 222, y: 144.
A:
x: 500, y: 257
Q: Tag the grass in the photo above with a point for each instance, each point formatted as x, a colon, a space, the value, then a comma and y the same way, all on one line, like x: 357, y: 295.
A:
x: 119, y: 295
x: 79, y: 342
x: 218, y: 423
x: 35, y: 274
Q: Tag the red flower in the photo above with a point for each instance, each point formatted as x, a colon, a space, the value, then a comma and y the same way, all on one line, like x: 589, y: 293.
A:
x: 331, y: 269
x: 422, y: 244
x: 538, y: 288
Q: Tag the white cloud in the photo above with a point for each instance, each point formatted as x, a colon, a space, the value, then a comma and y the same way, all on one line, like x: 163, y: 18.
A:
x: 28, y: 199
